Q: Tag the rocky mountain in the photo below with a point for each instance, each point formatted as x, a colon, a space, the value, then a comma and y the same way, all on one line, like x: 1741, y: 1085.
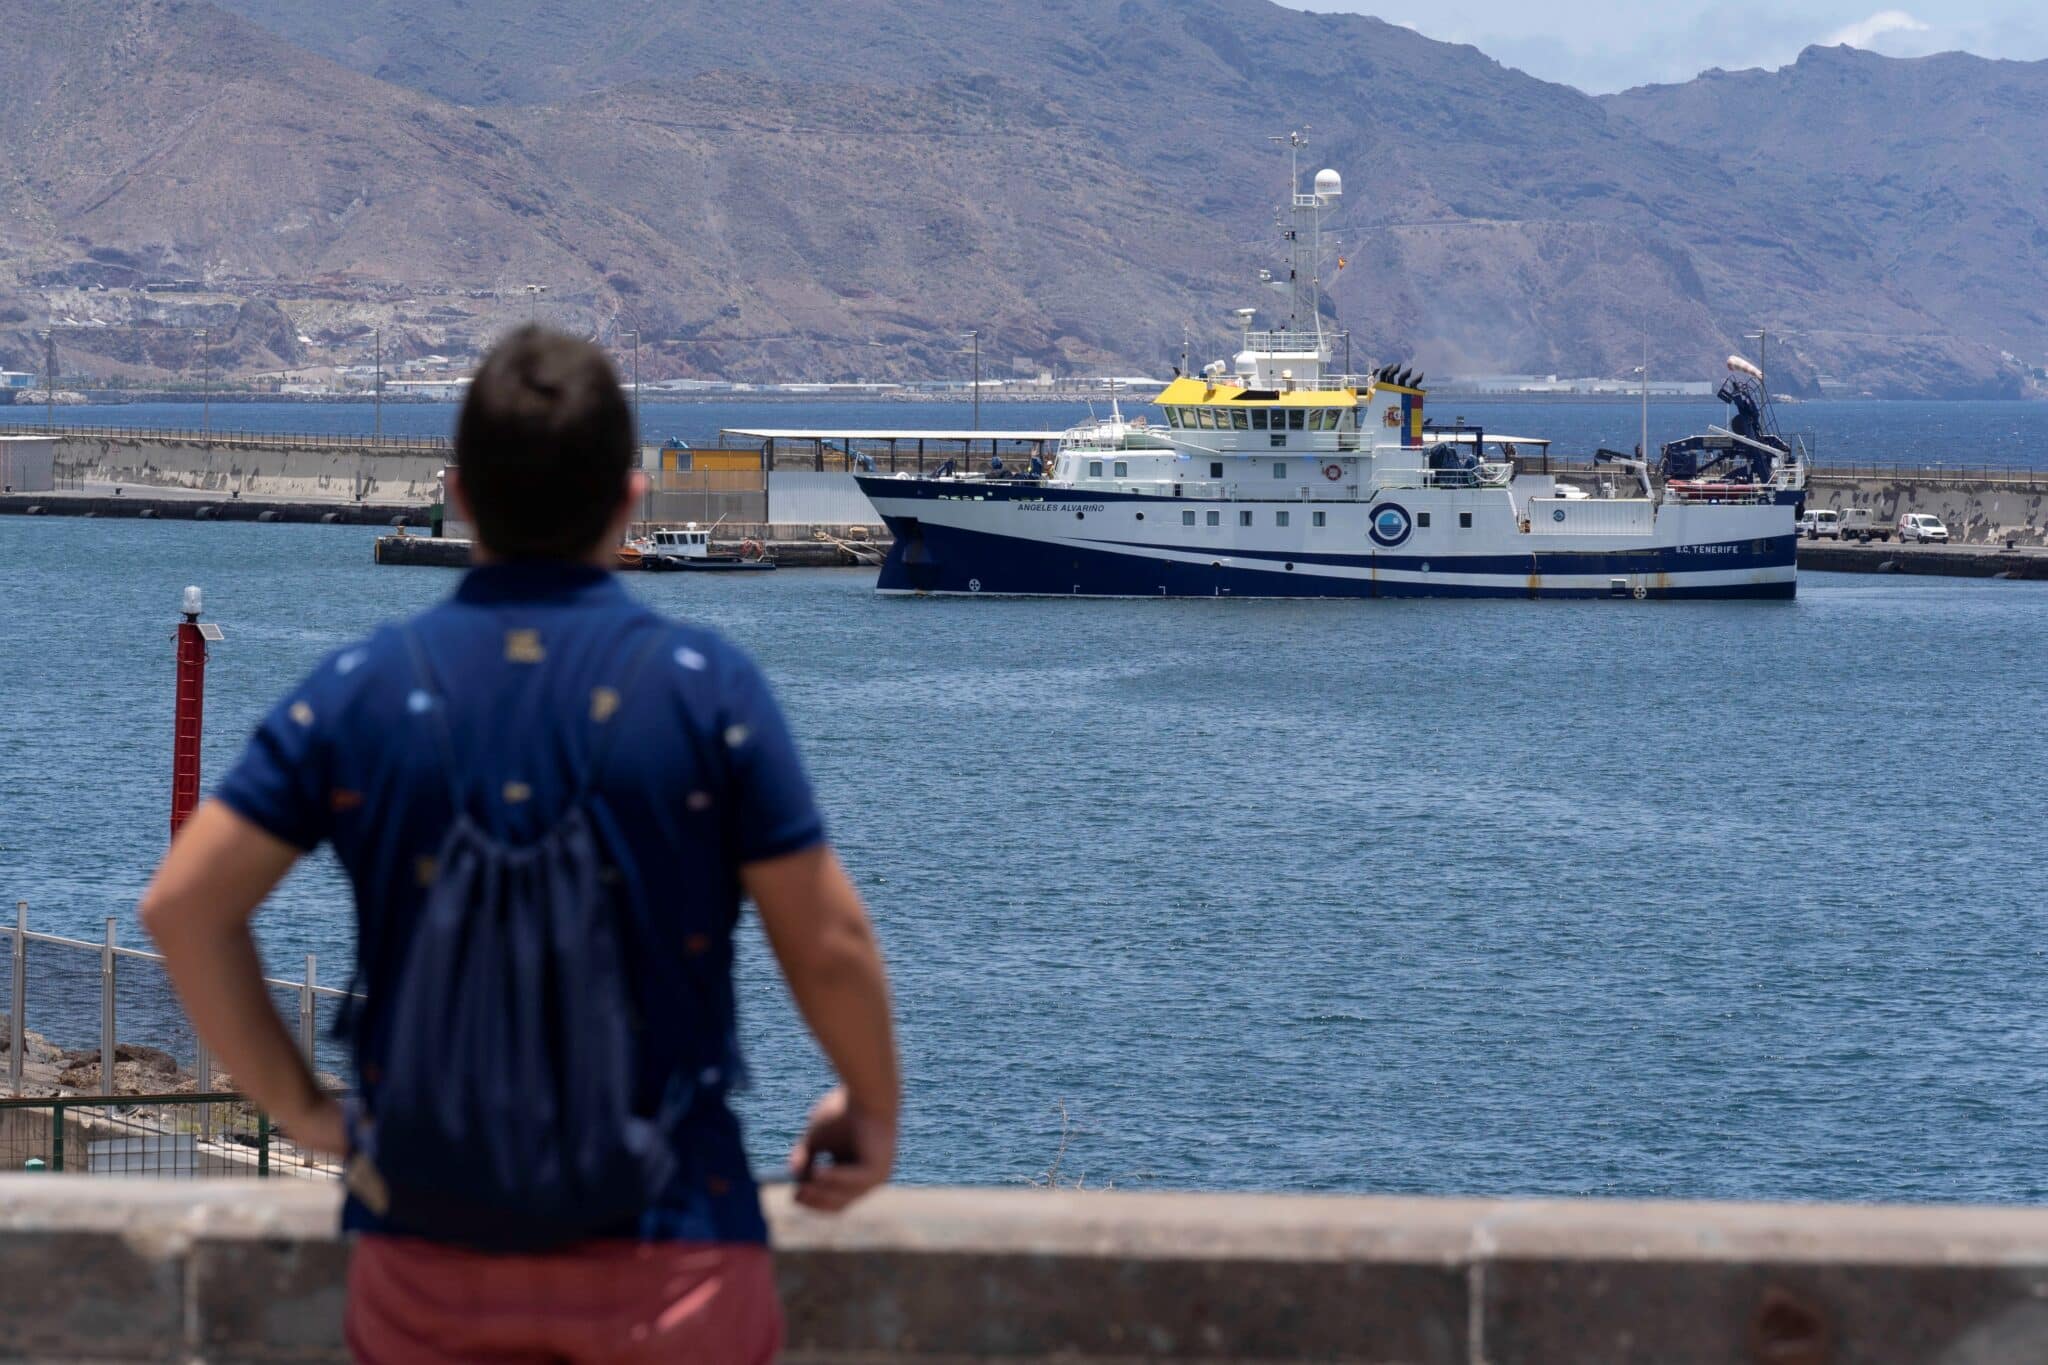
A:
x: 824, y: 189
x: 1932, y: 170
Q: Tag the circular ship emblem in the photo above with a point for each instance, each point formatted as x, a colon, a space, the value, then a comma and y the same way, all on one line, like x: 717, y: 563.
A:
x: 1557, y: 514
x: 974, y: 585
x: 1389, y: 525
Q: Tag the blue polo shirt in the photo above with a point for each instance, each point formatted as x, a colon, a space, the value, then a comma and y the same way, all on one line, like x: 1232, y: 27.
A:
x: 701, y: 779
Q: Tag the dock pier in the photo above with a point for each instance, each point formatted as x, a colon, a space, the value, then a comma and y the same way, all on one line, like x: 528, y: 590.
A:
x: 1946, y: 561
x: 164, y: 505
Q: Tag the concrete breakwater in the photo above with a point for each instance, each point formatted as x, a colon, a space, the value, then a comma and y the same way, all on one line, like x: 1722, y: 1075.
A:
x: 1976, y: 510
x: 301, y: 467
x: 433, y: 552
x: 1946, y: 561
x: 195, y: 507
x: 1983, y: 508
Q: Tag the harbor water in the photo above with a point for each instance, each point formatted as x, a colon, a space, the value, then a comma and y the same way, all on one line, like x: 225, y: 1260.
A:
x: 1605, y: 898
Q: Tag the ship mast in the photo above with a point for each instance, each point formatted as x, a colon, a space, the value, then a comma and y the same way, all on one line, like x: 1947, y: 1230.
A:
x: 1304, y: 234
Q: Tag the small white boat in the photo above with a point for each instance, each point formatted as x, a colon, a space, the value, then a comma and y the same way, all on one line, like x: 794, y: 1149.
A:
x: 689, y: 549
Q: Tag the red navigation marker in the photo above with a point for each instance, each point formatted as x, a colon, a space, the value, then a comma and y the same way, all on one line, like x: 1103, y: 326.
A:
x: 192, y: 641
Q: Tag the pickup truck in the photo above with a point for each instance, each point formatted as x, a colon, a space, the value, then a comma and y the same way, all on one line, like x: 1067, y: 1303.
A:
x: 1860, y: 523
x: 1820, y: 522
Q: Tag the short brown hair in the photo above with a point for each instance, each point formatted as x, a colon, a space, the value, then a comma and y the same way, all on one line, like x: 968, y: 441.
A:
x: 544, y: 443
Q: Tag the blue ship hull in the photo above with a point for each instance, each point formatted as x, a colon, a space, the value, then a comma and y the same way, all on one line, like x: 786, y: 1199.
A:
x: 932, y: 558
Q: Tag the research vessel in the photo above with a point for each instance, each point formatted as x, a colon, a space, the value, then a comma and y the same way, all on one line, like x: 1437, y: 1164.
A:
x: 1274, y: 475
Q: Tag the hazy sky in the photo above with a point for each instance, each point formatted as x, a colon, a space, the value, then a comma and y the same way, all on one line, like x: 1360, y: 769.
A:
x: 1605, y: 45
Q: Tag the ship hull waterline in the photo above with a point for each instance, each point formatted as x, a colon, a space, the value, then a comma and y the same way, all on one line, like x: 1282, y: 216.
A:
x: 954, y: 545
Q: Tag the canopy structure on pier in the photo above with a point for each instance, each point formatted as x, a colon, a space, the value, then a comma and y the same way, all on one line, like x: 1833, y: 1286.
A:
x: 890, y: 449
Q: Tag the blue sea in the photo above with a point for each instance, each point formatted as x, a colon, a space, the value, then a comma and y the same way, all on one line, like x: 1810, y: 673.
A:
x: 1964, y: 436
x: 1605, y: 898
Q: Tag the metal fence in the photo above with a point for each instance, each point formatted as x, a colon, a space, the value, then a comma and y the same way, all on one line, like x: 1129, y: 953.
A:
x: 1940, y: 473
x: 107, y: 1019
x: 705, y: 496
x: 268, y: 440
x: 211, y: 1135
x: 1843, y: 469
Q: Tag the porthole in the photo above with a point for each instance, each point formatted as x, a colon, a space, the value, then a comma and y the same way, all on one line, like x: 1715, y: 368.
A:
x: 1290, y: 568
x: 1141, y: 516
x: 1080, y: 516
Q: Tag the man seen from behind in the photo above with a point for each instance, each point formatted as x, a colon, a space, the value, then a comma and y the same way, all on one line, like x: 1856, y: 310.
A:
x: 549, y: 802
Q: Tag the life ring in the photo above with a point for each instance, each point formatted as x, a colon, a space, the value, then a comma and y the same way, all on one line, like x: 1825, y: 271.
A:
x: 1333, y: 472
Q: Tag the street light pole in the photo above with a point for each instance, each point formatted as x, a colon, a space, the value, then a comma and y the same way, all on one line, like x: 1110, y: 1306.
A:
x: 975, y: 337
x: 378, y: 333
x: 639, y: 432
x: 205, y: 390
x: 533, y: 293
x: 1643, y: 450
x: 50, y: 379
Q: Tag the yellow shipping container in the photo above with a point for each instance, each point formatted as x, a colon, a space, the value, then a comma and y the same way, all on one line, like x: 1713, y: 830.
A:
x: 720, y: 461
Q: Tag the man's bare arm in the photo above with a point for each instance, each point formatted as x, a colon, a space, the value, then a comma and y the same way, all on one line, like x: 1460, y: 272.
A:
x: 821, y: 937
x: 198, y: 907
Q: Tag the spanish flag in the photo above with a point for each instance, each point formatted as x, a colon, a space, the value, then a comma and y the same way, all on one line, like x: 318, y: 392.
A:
x: 1341, y: 263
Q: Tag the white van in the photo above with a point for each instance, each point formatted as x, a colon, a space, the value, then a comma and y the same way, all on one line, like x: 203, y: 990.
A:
x: 1860, y: 523
x: 1922, y: 526
x: 1819, y: 522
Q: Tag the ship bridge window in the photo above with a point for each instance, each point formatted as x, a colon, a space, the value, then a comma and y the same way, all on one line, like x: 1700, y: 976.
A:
x: 1324, y: 419
x: 1173, y: 417
x: 1295, y: 419
x: 1241, y: 420
x: 1258, y: 419
x: 1095, y: 469
x: 1205, y: 418
x: 1344, y: 418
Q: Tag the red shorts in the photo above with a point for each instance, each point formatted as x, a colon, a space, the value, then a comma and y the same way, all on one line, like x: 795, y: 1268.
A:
x: 605, y: 1301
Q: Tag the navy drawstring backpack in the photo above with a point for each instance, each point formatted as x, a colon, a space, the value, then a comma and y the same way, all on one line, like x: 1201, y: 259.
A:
x: 509, y: 1111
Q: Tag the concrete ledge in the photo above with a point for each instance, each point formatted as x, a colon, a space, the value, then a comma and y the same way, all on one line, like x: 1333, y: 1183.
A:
x: 1950, y: 561
x: 120, y: 1270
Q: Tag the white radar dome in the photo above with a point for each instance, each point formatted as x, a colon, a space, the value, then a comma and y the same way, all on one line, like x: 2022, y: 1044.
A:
x: 1329, y: 184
